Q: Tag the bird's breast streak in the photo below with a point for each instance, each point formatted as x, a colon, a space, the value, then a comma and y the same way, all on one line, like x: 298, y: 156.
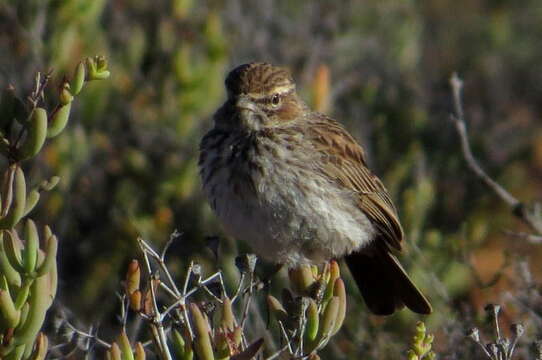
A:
x: 293, y: 217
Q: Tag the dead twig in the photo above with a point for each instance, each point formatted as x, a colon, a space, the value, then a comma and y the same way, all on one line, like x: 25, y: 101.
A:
x: 533, y: 239
x: 532, y: 216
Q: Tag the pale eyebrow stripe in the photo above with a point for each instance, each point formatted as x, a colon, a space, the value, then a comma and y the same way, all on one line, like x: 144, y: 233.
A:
x: 281, y: 90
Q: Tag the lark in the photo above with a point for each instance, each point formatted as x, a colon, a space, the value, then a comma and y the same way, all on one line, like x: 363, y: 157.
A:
x: 295, y: 185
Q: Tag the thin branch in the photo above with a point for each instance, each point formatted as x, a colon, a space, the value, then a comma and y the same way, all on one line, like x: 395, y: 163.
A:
x: 249, y: 298
x: 156, y: 323
x: 174, y: 235
x: 88, y: 335
x: 459, y: 122
x: 533, y: 239
x: 239, y: 286
x: 34, y: 98
x: 279, y: 352
x: 519, y: 209
x: 159, y: 259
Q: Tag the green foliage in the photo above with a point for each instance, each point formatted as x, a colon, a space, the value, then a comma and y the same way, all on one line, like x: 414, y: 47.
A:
x: 28, y: 273
x: 421, y: 344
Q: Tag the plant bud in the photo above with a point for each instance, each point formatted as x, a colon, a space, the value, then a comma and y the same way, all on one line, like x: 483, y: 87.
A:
x: 276, y: 308
x: 228, y: 319
x: 40, y: 347
x: 37, y: 133
x: 31, y: 201
x: 12, y: 245
x: 30, y: 252
x: 202, y: 342
x: 18, y: 204
x: 139, y: 351
x: 133, y: 277
x: 78, y: 78
x: 49, y: 262
x: 48, y: 185
x: 135, y: 300
x: 59, y: 120
x: 302, y: 279
x: 313, y: 320
x: 65, y: 96
x: 38, y: 302
x: 340, y: 292
x: 114, y: 352
x: 125, y: 347
x: 329, y: 318
x: 7, y: 307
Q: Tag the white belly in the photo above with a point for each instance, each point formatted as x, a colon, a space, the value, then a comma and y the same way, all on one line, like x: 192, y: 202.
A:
x: 290, y: 217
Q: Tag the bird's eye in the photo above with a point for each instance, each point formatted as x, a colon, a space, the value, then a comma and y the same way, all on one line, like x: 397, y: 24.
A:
x: 275, y: 100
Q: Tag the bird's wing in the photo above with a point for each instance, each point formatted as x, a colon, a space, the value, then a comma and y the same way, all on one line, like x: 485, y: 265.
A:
x: 343, y: 161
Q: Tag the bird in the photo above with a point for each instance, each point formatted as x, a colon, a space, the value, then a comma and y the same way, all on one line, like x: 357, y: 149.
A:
x: 295, y: 185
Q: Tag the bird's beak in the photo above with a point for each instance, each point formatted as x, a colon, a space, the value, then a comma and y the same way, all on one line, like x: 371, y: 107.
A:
x: 244, y: 103
x: 249, y: 115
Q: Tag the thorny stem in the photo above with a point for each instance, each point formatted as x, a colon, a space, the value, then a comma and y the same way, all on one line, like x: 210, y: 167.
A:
x: 458, y: 118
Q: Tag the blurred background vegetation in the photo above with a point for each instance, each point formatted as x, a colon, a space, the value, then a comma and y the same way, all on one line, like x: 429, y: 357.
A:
x: 128, y: 158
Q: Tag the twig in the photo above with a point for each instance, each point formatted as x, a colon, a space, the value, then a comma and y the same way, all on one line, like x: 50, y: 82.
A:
x: 160, y: 260
x: 278, y: 353
x: 533, y: 239
x: 182, y: 300
x: 156, y: 324
x: 530, y: 217
x: 174, y: 235
x: 459, y: 121
x: 285, y: 335
x: 249, y: 298
x: 123, y: 306
x: 34, y: 98
x: 239, y: 286
x: 87, y: 335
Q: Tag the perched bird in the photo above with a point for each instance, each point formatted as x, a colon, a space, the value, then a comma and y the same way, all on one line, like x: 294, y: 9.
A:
x: 294, y: 184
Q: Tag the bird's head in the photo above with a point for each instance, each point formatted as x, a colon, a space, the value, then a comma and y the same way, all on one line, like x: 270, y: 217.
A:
x: 260, y: 95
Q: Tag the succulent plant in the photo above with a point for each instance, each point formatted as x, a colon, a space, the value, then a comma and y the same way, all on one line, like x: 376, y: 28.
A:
x: 28, y: 271
x: 317, y: 314
x: 421, y: 344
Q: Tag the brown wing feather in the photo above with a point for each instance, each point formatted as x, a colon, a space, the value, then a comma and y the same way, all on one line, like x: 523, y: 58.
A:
x: 344, y: 161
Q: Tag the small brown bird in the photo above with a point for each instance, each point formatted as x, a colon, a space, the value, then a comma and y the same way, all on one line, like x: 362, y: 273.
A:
x: 295, y: 185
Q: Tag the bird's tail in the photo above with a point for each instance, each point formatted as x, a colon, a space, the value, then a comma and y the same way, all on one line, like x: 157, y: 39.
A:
x: 384, y: 284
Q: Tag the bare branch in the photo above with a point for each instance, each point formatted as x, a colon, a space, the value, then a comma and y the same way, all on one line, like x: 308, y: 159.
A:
x: 530, y: 216
x: 532, y: 238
